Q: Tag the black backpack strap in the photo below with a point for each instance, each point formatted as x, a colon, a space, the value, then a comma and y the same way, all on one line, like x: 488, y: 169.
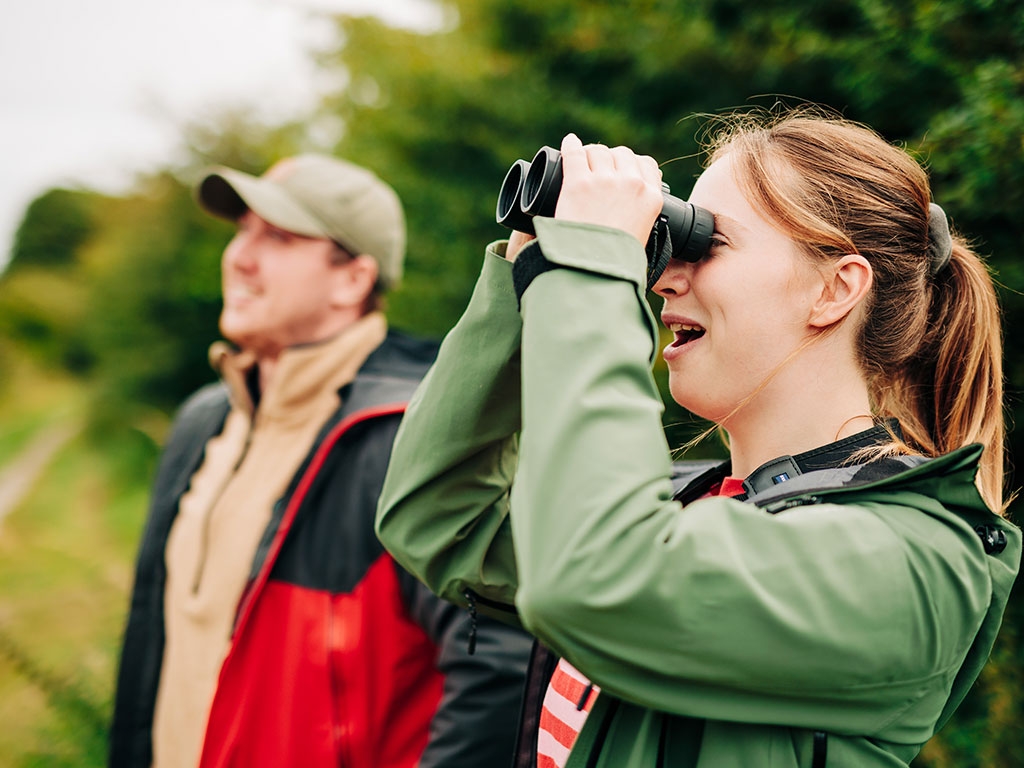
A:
x: 820, y: 752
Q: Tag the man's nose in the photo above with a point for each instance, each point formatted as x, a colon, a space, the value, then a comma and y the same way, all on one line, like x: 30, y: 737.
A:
x: 240, y: 253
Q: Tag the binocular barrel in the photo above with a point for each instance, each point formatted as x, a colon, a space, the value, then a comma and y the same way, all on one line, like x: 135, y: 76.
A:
x: 532, y: 189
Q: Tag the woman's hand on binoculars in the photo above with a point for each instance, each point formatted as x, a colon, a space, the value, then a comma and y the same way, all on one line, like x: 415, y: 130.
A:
x: 516, y: 241
x: 614, y: 187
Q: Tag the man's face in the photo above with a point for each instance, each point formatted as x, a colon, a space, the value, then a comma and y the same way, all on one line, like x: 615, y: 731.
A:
x: 277, y: 287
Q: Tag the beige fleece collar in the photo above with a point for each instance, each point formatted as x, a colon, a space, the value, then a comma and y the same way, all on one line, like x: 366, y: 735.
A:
x: 304, y: 375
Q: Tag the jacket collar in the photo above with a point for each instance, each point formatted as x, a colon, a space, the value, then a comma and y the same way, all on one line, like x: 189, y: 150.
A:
x: 305, y: 375
x: 840, y: 453
x: 694, y: 479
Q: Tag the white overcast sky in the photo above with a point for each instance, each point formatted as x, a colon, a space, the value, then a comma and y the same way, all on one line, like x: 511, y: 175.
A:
x: 92, y: 91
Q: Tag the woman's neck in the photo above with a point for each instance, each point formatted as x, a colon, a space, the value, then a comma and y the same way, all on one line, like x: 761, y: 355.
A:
x: 796, y: 413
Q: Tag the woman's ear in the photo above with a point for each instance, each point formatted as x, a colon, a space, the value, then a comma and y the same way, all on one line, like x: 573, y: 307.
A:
x: 354, y: 281
x: 846, y: 284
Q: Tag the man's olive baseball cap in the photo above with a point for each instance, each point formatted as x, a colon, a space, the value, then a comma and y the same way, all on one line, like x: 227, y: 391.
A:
x: 317, y: 196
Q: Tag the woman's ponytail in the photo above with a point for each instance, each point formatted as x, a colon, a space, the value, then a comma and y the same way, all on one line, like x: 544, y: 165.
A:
x: 962, y: 356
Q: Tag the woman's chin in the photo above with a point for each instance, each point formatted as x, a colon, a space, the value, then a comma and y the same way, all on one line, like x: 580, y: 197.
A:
x: 699, y: 407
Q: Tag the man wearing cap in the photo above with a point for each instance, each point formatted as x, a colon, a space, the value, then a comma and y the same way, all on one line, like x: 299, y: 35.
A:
x: 267, y: 626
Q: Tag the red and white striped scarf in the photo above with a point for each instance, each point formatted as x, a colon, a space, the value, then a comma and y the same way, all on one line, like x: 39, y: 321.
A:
x: 562, y: 715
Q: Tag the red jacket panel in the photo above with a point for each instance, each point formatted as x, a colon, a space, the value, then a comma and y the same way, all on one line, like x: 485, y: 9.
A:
x: 291, y: 650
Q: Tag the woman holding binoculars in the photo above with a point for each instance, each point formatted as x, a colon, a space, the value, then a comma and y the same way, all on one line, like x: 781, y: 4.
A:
x: 828, y: 595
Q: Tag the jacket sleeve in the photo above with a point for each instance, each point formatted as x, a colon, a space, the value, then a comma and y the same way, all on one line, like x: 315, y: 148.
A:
x: 130, y: 742
x: 443, y: 513
x: 475, y: 722
x: 850, y: 618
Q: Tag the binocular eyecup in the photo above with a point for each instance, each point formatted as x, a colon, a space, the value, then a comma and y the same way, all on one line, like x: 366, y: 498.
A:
x: 532, y: 189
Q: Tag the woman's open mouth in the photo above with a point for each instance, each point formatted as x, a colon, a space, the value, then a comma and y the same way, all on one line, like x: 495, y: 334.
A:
x: 685, y: 333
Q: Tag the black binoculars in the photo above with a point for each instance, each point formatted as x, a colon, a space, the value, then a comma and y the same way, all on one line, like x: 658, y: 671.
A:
x: 532, y: 189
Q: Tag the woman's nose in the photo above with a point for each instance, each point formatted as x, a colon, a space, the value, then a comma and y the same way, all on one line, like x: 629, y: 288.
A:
x: 675, y: 280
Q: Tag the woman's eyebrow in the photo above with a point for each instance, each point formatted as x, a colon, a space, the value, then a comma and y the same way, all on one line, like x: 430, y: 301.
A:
x: 728, y: 221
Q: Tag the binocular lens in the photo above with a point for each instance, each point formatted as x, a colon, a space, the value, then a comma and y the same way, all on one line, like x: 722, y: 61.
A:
x: 509, y: 212
x: 543, y: 183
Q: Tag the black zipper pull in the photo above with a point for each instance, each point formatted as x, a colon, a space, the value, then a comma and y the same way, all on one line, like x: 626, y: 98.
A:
x: 583, y: 699
x: 468, y: 594
x: 820, y: 752
x: 780, y: 506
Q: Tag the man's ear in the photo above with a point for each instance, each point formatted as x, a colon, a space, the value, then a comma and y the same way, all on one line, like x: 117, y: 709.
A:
x: 354, y: 281
x: 847, y: 282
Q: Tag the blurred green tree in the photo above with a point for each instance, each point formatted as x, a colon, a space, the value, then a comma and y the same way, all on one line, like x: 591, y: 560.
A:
x: 153, y: 298
x: 55, y: 225
x: 42, y: 302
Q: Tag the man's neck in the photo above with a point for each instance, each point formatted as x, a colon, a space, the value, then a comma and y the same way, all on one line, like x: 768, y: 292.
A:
x: 266, y: 366
x: 269, y: 360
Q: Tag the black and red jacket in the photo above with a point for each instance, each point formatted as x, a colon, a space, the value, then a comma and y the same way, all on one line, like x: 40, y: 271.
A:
x: 338, y: 657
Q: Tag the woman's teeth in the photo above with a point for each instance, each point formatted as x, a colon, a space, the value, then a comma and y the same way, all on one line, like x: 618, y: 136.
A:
x: 685, y: 333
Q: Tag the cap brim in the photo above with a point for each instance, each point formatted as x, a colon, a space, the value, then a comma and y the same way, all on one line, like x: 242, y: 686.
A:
x: 228, y: 193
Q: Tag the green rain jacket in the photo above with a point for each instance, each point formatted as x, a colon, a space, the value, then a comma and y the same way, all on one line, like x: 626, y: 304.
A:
x: 723, y: 633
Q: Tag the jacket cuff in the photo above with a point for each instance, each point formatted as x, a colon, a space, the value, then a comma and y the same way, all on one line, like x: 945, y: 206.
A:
x: 587, y: 247
x: 529, y: 263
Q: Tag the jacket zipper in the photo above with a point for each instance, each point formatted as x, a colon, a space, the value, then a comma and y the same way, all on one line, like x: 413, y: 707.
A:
x: 337, y: 731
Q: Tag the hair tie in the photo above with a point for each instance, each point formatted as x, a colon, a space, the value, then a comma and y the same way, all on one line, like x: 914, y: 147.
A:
x: 940, y: 243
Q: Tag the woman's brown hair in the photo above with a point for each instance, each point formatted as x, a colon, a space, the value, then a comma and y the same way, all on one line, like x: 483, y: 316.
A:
x: 930, y: 345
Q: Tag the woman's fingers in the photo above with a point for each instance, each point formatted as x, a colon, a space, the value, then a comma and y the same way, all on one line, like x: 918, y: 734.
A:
x: 517, y: 240
x: 650, y: 169
x: 574, y: 156
x: 600, y: 158
x: 609, y: 186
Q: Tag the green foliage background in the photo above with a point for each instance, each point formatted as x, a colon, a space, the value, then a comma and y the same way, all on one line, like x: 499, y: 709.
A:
x: 119, y: 296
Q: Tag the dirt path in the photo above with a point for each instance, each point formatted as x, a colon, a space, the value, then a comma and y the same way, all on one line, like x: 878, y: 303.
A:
x: 17, y: 478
